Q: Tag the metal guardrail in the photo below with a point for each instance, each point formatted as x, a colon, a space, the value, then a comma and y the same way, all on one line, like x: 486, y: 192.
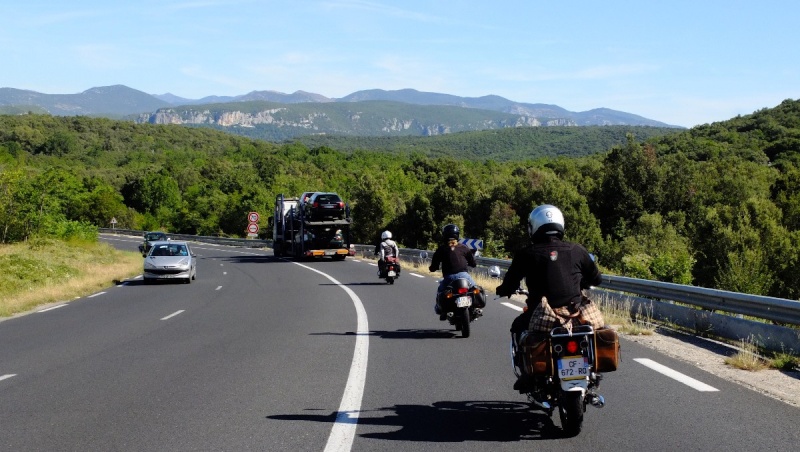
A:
x: 656, y: 297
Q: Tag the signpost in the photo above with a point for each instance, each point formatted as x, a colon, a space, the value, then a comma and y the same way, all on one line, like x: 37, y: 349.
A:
x: 113, y: 222
x: 252, y: 226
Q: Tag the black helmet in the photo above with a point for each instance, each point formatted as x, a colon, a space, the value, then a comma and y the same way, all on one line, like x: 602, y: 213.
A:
x: 451, y: 231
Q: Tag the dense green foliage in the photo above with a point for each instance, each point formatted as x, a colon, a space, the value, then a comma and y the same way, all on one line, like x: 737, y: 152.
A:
x: 517, y: 143
x: 715, y: 206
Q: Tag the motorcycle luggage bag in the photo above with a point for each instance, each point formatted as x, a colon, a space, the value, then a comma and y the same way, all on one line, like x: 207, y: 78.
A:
x: 606, y: 350
x: 480, y: 298
x: 536, y: 355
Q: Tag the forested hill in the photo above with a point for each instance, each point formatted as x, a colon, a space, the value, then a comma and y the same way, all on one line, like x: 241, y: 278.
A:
x: 517, y: 143
x: 715, y: 206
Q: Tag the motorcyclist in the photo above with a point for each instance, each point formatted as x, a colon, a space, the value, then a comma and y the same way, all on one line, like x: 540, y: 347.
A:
x: 386, y: 248
x: 552, y: 268
x: 454, y: 258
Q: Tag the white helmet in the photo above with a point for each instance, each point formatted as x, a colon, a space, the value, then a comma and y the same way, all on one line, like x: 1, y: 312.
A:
x: 386, y: 235
x: 547, y: 217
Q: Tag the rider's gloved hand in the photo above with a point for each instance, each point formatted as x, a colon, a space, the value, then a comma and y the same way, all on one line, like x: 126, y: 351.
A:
x: 431, y: 269
x: 502, y: 292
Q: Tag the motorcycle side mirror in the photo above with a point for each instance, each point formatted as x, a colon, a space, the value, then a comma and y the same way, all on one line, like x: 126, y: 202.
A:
x: 494, y: 271
x: 423, y: 255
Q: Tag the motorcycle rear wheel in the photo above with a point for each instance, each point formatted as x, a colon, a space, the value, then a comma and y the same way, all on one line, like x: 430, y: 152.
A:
x: 570, y: 409
x: 464, y: 314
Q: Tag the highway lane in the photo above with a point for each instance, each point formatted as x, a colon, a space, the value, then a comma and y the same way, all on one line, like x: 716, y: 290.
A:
x: 260, y: 355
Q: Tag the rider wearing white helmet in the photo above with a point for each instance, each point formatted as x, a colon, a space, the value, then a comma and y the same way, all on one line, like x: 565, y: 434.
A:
x: 387, y: 248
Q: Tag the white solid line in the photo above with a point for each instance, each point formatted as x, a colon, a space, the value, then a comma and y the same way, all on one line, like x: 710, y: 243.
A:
x: 218, y: 288
x: 344, y: 428
x: 674, y: 374
x: 92, y: 296
x: 7, y: 376
x: 172, y: 315
x: 54, y: 307
x: 512, y: 306
x: 418, y: 276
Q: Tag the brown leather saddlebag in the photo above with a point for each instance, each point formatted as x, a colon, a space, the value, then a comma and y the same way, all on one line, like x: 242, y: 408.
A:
x: 606, y: 350
x: 536, y: 355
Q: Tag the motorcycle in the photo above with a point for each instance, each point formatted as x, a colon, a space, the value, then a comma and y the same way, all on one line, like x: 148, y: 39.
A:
x: 461, y: 304
x: 391, y: 270
x: 563, y: 368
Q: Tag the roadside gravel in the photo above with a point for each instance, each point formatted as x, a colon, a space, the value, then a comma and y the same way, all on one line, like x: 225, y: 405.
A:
x: 710, y: 356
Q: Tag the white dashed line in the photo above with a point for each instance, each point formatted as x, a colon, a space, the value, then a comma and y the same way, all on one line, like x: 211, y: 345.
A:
x: 54, y: 307
x: 7, y: 376
x: 418, y: 276
x: 92, y: 296
x: 172, y: 315
x: 674, y: 374
x: 218, y: 288
x: 512, y: 306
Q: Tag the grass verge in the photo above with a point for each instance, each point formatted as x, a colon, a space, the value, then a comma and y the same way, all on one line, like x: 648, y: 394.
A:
x: 42, y: 271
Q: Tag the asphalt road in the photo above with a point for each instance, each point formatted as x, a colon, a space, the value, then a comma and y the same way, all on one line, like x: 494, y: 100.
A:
x: 268, y: 354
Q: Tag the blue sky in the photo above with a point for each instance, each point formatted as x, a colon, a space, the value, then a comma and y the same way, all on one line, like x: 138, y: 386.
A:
x: 680, y: 62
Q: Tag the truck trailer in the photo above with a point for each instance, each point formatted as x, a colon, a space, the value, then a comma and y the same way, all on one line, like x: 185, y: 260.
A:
x: 295, y: 235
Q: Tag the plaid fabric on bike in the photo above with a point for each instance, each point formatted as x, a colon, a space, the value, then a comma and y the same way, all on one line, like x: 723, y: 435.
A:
x: 545, y: 318
x: 590, y: 314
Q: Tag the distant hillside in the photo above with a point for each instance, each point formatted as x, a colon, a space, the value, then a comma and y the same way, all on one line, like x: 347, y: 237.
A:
x: 120, y: 101
x: 107, y: 101
x: 511, y: 144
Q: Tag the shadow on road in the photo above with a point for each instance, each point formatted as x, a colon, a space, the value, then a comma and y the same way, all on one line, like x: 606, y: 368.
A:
x: 400, y: 334
x: 449, y: 422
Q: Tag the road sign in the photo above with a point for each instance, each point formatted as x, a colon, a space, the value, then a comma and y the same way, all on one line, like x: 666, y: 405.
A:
x: 252, y: 228
x: 253, y: 217
x: 113, y: 220
x: 474, y: 244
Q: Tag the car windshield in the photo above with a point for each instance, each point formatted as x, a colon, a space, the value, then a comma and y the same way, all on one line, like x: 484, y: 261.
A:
x: 170, y: 250
x: 327, y: 199
x: 152, y: 236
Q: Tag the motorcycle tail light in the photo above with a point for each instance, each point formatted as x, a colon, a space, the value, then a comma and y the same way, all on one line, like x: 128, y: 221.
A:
x: 462, y: 290
x: 572, y: 347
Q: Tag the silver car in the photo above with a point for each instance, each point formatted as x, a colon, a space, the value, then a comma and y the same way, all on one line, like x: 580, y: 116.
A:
x: 170, y: 260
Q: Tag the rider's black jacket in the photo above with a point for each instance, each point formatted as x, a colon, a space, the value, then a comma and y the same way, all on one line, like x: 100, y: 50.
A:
x: 552, y: 268
x: 453, y: 260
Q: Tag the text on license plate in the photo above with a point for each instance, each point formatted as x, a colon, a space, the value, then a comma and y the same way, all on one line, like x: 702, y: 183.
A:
x: 463, y: 302
x: 573, y: 368
x: 392, y: 273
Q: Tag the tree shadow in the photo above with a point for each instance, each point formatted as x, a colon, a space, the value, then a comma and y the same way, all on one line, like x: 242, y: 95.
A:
x: 449, y: 422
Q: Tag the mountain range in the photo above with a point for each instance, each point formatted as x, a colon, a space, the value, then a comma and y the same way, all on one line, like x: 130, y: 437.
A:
x: 275, y: 115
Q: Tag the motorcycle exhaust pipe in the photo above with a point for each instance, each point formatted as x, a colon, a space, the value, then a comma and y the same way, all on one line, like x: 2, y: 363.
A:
x: 597, y: 400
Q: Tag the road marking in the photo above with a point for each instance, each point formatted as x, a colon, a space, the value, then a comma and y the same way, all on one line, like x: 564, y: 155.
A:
x: 7, y: 376
x: 674, y: 374
x: 373, y: 264
x: 224, y: 273
x: 512, y: 306
x: 92, y: 296
x: 418, y: 276
x: 172, y: 315
x: 218, y: 288
x: 54, y: 307
x: 344, y: 428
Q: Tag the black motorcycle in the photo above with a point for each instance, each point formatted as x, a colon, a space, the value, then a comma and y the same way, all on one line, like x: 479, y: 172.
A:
x: 562, y: 369
x: 461, y: 304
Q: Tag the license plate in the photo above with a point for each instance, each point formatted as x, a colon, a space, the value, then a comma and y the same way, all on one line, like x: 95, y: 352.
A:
x: 463, y: 302
x: 392, y: 273
x: 330, y: 252
x: 573, y: 368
